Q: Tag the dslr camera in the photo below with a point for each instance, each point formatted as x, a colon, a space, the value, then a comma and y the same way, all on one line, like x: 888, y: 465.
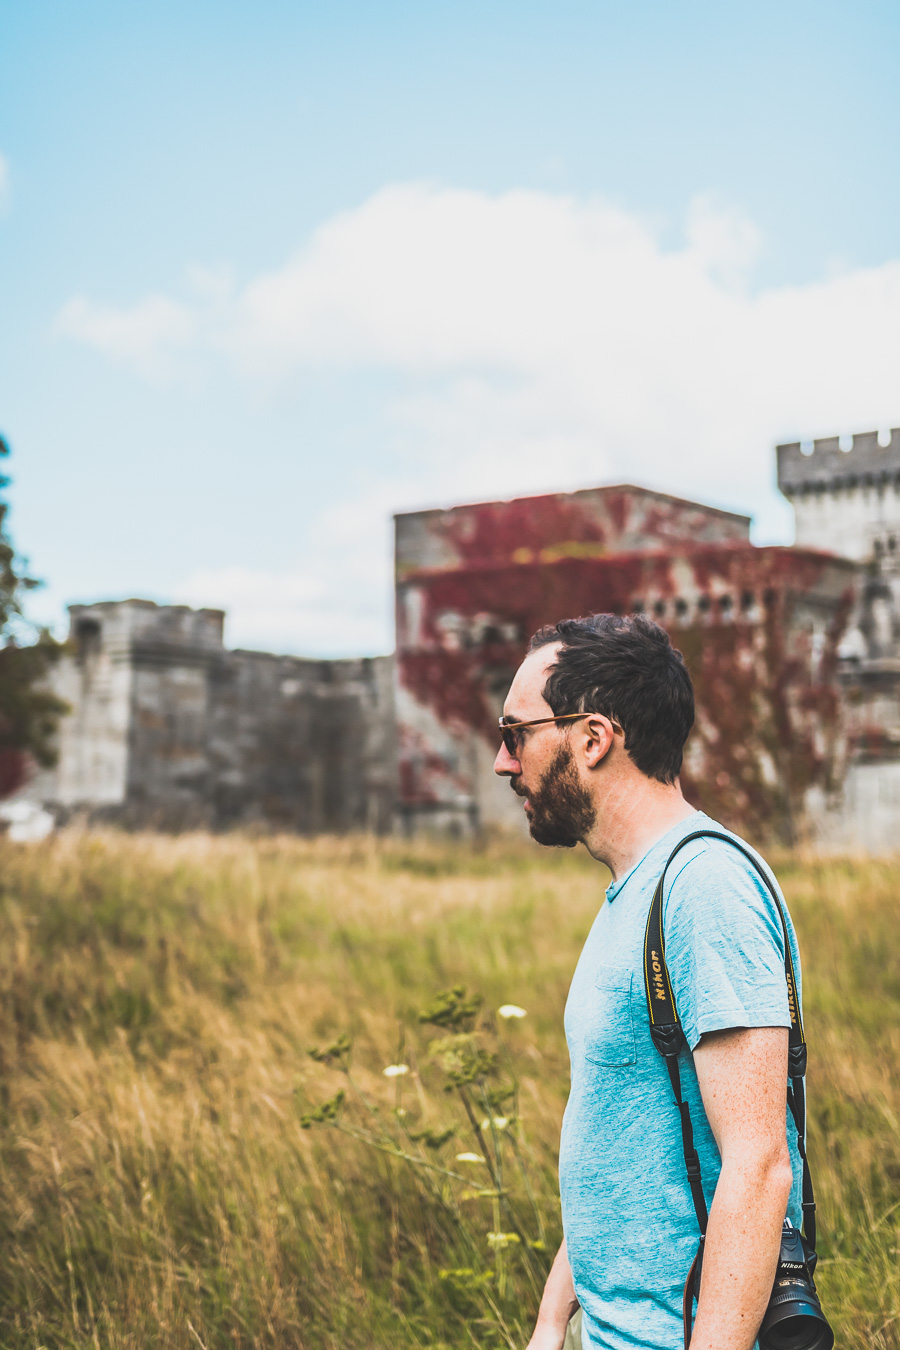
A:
x: 794, y: 1319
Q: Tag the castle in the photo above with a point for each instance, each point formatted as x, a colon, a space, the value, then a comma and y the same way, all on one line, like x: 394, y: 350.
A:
x: 794, y: 652
x: 170, y: 729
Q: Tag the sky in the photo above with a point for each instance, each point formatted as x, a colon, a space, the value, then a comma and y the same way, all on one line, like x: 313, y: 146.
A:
x: 270, y: 273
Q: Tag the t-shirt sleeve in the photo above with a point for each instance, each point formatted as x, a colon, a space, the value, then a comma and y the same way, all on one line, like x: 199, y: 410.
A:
x: 724, y: 943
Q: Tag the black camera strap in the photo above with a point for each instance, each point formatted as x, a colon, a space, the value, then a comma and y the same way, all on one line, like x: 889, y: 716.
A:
x: 669, y: 1039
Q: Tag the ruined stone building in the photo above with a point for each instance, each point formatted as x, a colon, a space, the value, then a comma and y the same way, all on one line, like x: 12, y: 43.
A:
x: 794, y: 652
x: 168, y: 728
x: 759, y: 629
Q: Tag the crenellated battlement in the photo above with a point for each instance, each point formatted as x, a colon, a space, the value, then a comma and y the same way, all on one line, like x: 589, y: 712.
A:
x: 823, y: 465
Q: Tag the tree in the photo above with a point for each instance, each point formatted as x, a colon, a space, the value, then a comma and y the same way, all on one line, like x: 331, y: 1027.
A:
x: 29, y: 711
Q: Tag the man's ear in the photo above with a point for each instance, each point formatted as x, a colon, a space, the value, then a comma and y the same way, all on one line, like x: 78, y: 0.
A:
x: 600, y: 737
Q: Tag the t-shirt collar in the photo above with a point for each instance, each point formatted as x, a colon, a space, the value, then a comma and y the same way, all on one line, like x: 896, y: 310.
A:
x: 662, y: 846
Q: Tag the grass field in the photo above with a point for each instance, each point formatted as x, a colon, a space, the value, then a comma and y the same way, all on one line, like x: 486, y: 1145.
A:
x: 159, y: 1000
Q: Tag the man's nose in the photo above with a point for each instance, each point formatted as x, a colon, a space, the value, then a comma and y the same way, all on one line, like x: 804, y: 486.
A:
x: 506, y: 764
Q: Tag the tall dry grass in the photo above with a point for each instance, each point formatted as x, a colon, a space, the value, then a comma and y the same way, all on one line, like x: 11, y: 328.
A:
x: 160, y: 996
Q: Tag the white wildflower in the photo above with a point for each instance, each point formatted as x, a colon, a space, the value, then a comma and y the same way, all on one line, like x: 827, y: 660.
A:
x: 395, y: 1070
x: 502, y: 1239
x: 510, y: 1010
x: 469, y: 1157
x: 498, y: 1122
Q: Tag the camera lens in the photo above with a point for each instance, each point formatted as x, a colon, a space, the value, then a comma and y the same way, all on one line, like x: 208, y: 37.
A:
x: 799, y: 1333
x: 800, y: 1326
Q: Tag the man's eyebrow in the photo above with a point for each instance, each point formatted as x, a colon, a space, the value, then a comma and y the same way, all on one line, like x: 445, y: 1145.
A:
x: 511, y: 717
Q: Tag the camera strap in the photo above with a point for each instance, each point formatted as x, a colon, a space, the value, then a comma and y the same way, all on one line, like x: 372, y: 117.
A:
x: 669, y: 1038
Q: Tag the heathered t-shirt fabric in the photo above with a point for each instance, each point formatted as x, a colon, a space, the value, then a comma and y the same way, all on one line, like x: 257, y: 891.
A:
x: 630, y: 1227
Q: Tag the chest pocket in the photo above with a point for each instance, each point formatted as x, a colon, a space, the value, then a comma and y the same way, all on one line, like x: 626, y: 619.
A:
x: 609, y: 1033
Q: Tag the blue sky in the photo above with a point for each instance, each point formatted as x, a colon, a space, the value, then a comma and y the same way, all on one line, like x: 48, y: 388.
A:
x: 270, y: 272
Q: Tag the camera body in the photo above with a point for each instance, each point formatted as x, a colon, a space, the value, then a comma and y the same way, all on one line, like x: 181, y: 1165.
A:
x: 794, y: 1319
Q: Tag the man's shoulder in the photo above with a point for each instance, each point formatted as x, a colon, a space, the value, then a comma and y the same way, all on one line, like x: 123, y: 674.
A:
x: 713, y: 880
x: 715, y: 850
x: 725, y: 940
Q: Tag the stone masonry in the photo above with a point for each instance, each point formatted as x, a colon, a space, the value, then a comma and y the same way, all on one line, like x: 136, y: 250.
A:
x: 846, y: 499
x: 759, y: 627
x: 169, y: 728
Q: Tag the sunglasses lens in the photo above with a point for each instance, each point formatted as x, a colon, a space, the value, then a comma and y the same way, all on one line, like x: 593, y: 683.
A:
x: 509, y: 740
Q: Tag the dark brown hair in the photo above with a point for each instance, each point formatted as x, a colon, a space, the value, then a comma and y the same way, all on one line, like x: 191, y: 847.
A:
x: 625, y: 667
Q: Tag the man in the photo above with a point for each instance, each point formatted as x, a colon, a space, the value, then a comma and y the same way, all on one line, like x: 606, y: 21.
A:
x: 596, y: 721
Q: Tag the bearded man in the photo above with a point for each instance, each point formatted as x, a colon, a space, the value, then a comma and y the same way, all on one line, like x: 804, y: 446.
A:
x: 594, y: 728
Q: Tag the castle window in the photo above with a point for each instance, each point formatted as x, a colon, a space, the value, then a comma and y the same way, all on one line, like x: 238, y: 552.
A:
x: 891, y: 543
x: 747, y: 600
x: 88, y: 639
x: 681, y: 607
x: 769, y: 598
x: 703, y: 604
x: 724, y: 603
x: 879, y: 548
x: 637, y: 607
x: 659, y: 608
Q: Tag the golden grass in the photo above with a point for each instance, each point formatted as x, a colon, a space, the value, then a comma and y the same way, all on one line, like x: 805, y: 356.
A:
x: 159, y: 999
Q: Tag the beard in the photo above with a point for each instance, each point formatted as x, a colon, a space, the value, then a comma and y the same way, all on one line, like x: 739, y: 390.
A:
x: 562, y: 812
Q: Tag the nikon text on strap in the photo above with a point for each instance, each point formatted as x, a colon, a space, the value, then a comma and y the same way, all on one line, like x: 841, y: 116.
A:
x: 669, y: 1039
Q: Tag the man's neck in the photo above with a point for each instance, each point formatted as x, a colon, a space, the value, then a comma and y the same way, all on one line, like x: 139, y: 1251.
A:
x: 632, y: 819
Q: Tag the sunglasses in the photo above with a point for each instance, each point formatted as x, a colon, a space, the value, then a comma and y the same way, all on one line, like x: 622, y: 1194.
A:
x: 509, y: 731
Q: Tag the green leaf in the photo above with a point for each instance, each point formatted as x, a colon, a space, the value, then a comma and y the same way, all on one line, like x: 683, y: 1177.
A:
x: 452, y: 1008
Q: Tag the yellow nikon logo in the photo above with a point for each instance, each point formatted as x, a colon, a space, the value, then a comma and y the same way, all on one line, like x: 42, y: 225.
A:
x: 659, y: 989
x: 792, y: 1001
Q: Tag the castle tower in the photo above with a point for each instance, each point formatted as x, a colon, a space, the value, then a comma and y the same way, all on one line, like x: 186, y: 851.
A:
x: 136, y: 679
x: 845, y: 501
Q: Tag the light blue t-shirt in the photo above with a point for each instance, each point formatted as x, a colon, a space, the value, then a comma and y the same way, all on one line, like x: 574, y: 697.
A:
x: 630, y: 1226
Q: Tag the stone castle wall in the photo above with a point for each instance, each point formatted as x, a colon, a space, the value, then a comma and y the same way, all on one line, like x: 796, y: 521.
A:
x: 759, y: 628
x: 169, y: 728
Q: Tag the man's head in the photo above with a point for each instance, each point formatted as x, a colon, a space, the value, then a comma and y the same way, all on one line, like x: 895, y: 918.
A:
x: 628, y: 706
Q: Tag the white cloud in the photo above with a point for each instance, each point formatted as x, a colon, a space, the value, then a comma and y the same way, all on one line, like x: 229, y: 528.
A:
x: 144, y: 336
x: 724, y: 241
x: 540, y: 342
x: 576, y: 302
x: 306, y: 611
x: 334, y: 601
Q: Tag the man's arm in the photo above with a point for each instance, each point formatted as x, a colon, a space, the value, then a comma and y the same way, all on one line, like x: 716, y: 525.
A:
x: 743, y: 1081
x: 557, y: 1305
